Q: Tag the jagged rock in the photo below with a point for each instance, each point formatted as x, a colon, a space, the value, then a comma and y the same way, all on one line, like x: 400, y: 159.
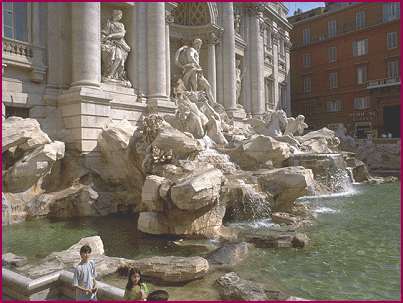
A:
x: 14, y: 207
x: 382, y: 180
x: 380, y: 156
x: 300, y: 240
x: 196, y: 246
x: 23, y: 133
x: 11, y: 260
x: 229, y: 254
x: 70, y: 257
x: 358, y: 169
x: 114, y: 142
x: 320, y: 141
x: 153, y: 223
x: 26, y: 172
x: 286, y: 185
x: 205, y: 222
x: 198, y: 190
x: 283, y: 218
x: 76, y: 201
x: 275, y: 239
x: 150, y: 195
x: 258, y: 150
x: 171, y: 269
x: 232, y: 287
x: 182, y: 145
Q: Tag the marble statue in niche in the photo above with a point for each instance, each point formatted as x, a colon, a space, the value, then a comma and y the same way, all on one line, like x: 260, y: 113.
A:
x: 187, y: 58
x: 114, y: 51
x: 238, y: 79
x: 237, y: 23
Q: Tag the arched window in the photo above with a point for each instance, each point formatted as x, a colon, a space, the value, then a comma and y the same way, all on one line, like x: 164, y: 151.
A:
x: 15, y: 21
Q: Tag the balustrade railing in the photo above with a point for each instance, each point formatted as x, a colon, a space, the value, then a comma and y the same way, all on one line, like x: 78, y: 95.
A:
x: 17, y: 47
x: 383, y: 82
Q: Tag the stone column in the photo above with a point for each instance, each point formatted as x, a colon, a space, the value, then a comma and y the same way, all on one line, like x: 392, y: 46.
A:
x: 131, y: 34
x: 256, y: 63
x: 228, y: 58
x: 276, y: 41
x: 156, y: 51
x: 212, y: 78
x: 86, y: 43
x: 288, y: 76
x: 3, y: 107
x: 141, y: 55
x: 55, y: 72
x: 169, y: 21
x: 39, y: 70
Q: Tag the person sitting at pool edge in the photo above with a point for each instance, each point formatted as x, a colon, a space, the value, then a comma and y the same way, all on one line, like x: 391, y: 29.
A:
x: 135, y: 288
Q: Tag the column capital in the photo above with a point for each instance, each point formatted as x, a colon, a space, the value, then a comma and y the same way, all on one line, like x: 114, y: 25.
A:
x: 214, y: 38
x: 287, y: 44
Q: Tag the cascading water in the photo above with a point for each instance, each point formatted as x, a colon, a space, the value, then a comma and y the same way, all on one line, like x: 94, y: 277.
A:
x: 328, y: 169
x: 351, y: 174
x: 256, y: 202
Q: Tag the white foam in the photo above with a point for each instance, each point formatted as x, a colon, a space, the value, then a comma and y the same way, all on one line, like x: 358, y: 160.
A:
x: 325, y: 210
x: 349, y: 193
x: 256, y: 224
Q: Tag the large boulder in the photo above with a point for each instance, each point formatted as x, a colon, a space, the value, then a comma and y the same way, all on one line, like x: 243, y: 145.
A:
x: 232, y: 287
x: 205, y: 222
x: 154, y: 223
x: 320, y: 141
x: 171, y: 269
x: 275, y: 239
x: 23, y: 133
x: 181, y: 144
x: 69, y: 258
x: 358, y: 169
x: 26, y: 172
x: 229, y: 254
x: 286, y: 185
x: 14, y: 207
x: 155, y: 188
x: 197, y: 191
x: 258, y: 151
x: 75, y: 201
x: 114, y: 144
x: 380, y: 155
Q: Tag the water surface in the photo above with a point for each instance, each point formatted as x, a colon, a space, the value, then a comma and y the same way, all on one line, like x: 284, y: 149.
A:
x: 354, y: 252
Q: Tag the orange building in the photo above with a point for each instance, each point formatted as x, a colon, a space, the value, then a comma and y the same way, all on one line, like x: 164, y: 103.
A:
x: 345, y: 67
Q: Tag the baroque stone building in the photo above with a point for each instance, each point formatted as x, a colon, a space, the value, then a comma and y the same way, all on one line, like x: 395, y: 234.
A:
x: 74, y: 66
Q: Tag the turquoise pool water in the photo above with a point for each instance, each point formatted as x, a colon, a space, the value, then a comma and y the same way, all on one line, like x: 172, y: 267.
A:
x: 354, y: 254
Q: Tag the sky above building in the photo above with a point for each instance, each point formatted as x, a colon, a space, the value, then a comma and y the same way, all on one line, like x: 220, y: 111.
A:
x: 305, y: 6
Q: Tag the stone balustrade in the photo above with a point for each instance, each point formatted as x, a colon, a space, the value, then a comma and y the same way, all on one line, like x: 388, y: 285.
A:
x: 53, y: 286
x: 17, y: 47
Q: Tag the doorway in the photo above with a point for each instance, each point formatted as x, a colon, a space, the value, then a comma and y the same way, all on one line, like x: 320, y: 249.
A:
x: 391, y: 120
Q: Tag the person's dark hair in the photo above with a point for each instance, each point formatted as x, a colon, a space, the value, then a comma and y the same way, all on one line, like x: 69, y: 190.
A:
x: 158, y: 295
x: 85, y: 249
x: 133, y: 271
